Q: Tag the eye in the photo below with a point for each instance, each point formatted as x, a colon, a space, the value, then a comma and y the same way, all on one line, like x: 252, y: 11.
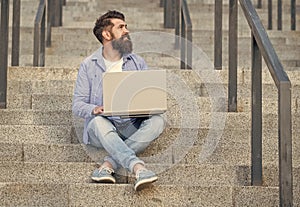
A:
x: 123, y: 26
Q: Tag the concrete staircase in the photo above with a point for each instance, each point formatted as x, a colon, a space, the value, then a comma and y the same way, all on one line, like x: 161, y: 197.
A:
x: 202, y: 158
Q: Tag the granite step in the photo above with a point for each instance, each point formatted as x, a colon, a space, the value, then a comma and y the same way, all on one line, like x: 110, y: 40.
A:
x: 63, y: 120
x: 171, y: 147
x: 195, y: 175
x: 74, y: 60
x: 196, y: 132
x: 42, y: 163
x: 34, y: 194
x: 84, y: 42
x: 62, y: 42
x: 62, y: 100
x: 43, y: 75
x: 199, y: 96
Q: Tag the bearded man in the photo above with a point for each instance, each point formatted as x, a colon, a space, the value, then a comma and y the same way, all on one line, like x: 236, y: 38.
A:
x: 121, y: 138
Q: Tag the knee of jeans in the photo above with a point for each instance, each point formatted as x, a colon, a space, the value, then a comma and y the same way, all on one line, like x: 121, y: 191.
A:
x: 158, y: 124
x: 102, y: 125
x: 101, y: 121
x: 98, y: 120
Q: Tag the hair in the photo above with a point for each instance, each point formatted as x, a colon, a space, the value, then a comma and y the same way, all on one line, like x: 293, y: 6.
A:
x: 104, y: 21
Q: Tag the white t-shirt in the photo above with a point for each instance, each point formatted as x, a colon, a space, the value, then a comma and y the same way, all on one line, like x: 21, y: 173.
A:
x: 113, y: 66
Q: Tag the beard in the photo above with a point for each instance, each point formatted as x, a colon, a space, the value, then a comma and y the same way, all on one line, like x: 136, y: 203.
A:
x: 123, y: 45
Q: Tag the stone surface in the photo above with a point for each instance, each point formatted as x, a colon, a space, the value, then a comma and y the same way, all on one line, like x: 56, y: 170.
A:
x: 202, y: 158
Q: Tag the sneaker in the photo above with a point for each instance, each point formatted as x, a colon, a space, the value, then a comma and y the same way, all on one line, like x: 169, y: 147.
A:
x: 144, y: 178
x: 103, y: 175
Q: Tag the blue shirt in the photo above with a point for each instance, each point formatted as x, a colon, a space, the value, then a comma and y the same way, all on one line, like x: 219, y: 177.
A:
x: 88, y: 89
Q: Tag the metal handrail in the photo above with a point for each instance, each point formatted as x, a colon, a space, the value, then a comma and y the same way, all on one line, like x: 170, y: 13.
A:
x: 54, y: 19
x: 176, y: 14
x: 262, y: 47
x: 3, y: 51
x: 16, y: 33
x: 279, y: 14
x: 4, y: 44
x: 39, y: 35
x: 218, y: 34
x: 293, y: 14
x: 186, y: 37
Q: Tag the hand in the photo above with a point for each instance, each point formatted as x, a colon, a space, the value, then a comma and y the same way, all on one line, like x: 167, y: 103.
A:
x: 98, y: 110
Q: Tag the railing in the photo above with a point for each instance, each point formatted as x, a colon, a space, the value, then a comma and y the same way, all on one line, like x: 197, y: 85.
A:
x: 4, y: 44
x: 186, y: 37
x: 218, y: 25
x: 39, y: 43
x: 261, y: 46
x: 16, y: 33
x: 279, y: 13
x: 177, y: 15
x: 3, y: 51
x: 54, y: 18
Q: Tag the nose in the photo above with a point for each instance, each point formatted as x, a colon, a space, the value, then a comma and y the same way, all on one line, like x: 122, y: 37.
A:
x: 125, y: 31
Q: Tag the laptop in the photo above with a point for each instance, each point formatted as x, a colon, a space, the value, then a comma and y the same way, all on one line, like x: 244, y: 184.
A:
x: 134, y: 93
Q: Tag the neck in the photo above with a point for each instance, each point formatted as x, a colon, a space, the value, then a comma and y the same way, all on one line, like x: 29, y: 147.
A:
x: 110, y: 54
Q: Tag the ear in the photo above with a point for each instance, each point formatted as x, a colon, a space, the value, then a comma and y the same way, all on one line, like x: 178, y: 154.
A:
x: 106, y: 35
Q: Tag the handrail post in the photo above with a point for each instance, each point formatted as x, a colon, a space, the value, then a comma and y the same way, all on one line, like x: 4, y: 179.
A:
x: 189, y: 35
x: 49, y: 22
x: 259, y: 4
x: 285, y: 145
x: 177, y: 23
x: 279, y: 15
x: 4, y: 51
x: 39, y: 36
x: 36, y: 46
x: 293, y: 14
x: 16, y: 33
x: 270, y: 14
x: 182, y: 43
x: 189, y: 48
x: 256, y: 109
x: 43, y: 40
x: 57, y: 7
x: 169, y: 14
x: 218, y: 34
x: 232, y: 88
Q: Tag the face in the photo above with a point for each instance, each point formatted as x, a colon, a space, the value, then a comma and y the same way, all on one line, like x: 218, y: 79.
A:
x: 120, y: 37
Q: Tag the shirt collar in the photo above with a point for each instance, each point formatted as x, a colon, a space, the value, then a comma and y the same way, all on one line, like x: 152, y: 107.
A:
x: 97, y: 56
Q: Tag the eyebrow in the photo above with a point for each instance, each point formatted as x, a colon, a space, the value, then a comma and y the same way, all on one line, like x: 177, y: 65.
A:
x: 122, y: 25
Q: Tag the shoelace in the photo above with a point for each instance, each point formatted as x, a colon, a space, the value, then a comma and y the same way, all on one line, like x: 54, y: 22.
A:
x: 137, y: 175
x: 108, y: 170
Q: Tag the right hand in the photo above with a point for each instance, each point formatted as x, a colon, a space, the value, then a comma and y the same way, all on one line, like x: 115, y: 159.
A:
x: 98, y: 110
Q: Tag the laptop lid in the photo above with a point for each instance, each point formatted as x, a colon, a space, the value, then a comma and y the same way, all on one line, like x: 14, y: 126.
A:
x: 134, y: 93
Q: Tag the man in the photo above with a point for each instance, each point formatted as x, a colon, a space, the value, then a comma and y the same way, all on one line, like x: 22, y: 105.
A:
x: 121, y: 138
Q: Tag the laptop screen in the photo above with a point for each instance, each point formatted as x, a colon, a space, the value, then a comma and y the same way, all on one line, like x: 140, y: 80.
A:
x: 134, y: 93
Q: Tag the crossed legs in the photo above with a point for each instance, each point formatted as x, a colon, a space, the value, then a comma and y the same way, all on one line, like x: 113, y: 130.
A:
x: 122, y: 152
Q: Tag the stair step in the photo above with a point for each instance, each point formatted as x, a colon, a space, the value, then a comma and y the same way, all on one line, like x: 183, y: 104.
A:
x: 53, y: 101
x: 195, y: 175
x: 86, y: 194
x: 228, y: 145
x: 27, y: 194
x: 165, y: 150
x: 41, y: 75
x: 202, y: 158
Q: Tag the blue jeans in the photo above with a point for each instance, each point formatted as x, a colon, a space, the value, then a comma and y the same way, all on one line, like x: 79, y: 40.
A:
x: 123, y: 142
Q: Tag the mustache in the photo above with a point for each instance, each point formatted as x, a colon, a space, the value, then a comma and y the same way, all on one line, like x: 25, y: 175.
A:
x: 125, y: 36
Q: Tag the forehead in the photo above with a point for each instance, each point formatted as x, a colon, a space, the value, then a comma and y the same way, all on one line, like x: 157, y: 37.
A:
x: 117, y: 22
